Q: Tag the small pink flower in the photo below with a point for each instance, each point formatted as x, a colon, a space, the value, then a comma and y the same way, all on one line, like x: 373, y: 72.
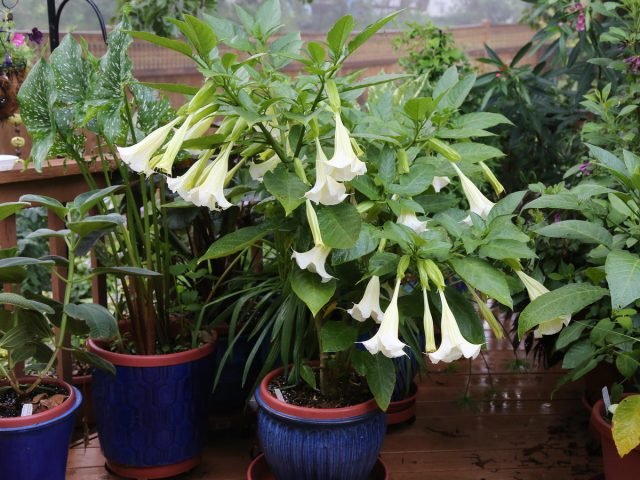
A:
x: 498, y: 75
x: 18, y: 39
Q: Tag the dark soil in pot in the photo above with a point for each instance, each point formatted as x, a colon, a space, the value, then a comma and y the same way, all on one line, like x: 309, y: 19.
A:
x: 352, y: 390
x: 43, y: 398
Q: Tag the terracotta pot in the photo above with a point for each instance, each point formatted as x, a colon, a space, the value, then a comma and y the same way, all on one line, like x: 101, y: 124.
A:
x: 151, y: 415
x: 403, y: 411
x: 259, y: 470
x: 36, y: 446
x: 615, y: 468
x: 301, y: 443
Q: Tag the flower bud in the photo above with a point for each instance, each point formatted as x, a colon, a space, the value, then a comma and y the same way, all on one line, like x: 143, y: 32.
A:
x: 445, y: 150
x: 403, y: 161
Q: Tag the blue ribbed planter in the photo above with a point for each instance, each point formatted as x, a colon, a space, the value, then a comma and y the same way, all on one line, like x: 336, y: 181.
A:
x: 38, y: 451
x: 151, y: 416
x: 318, y: 444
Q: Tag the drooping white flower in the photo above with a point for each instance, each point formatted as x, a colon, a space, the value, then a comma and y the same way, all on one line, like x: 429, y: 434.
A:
x: 409, y: 219
x: 478, y: 203
x: 138, y: 156
x: 453, y: 345
x: 427, y: 319
x: 165, y: 161
x: 314, y: 260
x: 327, y: 190
x: 369, y: 306
x: 209, y: 191
x: 536, y: 289
x: 344, y: 162
x: 386, y: 338
x: 184, y: 184
x: 439, y: 183
x: 259, y: 170
x: 198, y: 129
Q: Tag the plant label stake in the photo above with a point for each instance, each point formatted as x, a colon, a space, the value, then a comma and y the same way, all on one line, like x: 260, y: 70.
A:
x: 606, y: 399
x: 27, y: 410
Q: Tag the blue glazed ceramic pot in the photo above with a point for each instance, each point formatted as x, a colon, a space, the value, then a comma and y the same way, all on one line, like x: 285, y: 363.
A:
x: 36, y: 447
x: 151, y: 415
x: 318, y: 444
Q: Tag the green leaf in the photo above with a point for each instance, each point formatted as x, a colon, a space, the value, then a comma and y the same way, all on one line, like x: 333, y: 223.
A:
x: 579, y: 354
x: 481, y: 120
x: 562, y: 201
x: 476, y: 152
x: 626, y: 425
x: 7, y: 298
x: 565, y: 300
x: 288, y: 189
x: 483, y: 276
x: 200, y: 35
x: 236, y: 241
x: 102, y: 325
x: 419, y: 109
x: 308, y: 375
x: 309, y: 288
x: 455, y: 97
x: 340, y: 225
x: 608, y: 159
x: 133, y: 271
x: 448, y: 79
x: 21, y: 262
x: 175, y: 45
x: 47, y: 232
x: 569, y: 334
x: 501, y: 249
x: 365, y: 244
x: 95, y: 223
x: 9, y: 208
x: 381, y: 378
x: 623, y: 277
x: 15, y: 338
x: 417, y: 181
x: 337, y: 336
x: 94, y: 360
x: 581, y: 230
x: 339, y: 33
x: 369, y: 31
x: 87, y: 200
x: 51, y: 203
x: 269, y: 16
x: 71, y: 73
x: 172, y: 87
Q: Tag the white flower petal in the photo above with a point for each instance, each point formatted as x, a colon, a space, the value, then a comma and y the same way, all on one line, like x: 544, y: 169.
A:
x: 209, y: 192
x: 259, y: 170
x: 439, y: 183
x: 369, y: 306
x: 137, y: 156
x: 344, y: 162
x: 386, y: 339
x: 478, y: 203
x: 314, y: 261
x: 409, y: 219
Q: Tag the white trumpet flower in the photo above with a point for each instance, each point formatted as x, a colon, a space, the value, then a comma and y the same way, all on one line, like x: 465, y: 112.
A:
x: 259, y: 170
x: 327, y: 190
x: 453, y: 345
x: 314, y: 260
x: 138, y: 156
x: 369, y: 306
x: 165, y: 161
x: 439, y: 183
x: 184, y: 184
x: 199, y: 128
x: 478, y: 203
x: 427, y: 319
x: 209, y: 192
x: 536, y: 289
x: 345, y: 163
x: 409, y: 219
x: 386, y: 339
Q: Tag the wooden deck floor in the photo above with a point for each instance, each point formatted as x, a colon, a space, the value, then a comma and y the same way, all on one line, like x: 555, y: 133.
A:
x: 510, y: 429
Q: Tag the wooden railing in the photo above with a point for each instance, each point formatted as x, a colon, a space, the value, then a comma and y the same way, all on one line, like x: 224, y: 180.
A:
x: 63, y: 181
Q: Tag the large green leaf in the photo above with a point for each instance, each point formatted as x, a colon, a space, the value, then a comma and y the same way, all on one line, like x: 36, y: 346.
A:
x: 483, y: 276
x: 623, y: 277
x: 337, y: 336
x: 133, y: 271
x: 501, y: 249
x: 7, y: 298
x: 565, y: 300
x: 96, y: 223
x: 175, y: 45
x: 369, y: 31
x: 9, y: 208
x: 36, y: 99
x: 51, y: 203
x: 476, y: 152
x: 310, y: 289
x: 339, y: 33
x: 581, y: 230
x: 626, y: 425
x: 288, y: 189
x: 102, y: 325
x: 16, y: 337
x: 481, y: 120
x: 87, y: 200
x: 365, y: 244
x: 236, y: 241
x: 563, y: 201
x: 381, y: 378
x: 340, y: 225
x: 200, y: 35
x: 456, y: 96
x: 21, y: 262
x: 70, y: 72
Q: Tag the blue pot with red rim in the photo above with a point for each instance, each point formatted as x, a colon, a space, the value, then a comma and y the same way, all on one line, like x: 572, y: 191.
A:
x: 35, y: 447
x: 301, y: 443
x: 151, y: 415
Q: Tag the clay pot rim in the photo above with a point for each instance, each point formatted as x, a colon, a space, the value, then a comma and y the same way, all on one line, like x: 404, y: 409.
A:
x: 170, y: 359
x: 309, y: 413
x: 42, y: 417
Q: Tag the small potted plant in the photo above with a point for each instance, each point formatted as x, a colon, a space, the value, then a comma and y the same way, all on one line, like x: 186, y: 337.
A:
x: 356, y: 227
x: 37, y: 411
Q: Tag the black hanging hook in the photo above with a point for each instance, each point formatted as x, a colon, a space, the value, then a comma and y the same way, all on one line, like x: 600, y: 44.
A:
x: 54, y: 21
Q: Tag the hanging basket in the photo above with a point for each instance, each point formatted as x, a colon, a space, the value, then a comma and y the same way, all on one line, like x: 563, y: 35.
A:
x: 11, y: 79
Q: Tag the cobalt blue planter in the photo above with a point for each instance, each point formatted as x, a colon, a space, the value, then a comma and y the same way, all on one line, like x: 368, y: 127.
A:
x: 151, y: 415
x: 36, y: 447
x: 318, y: 444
